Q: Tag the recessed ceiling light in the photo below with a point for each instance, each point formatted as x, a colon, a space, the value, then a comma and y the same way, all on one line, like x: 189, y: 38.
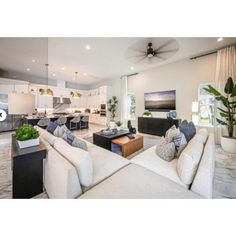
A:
x: 28, y: 69
x: 33, y: 60
x: 63, y: 68
x: 87, y: 47
x: 54, y: 74
x: 84, y: 74
x: 219, y: 39
x: 131, y: 68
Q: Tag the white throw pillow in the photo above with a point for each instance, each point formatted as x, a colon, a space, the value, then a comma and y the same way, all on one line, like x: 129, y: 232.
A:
x: 189, y: 160
x: 79, y: 158
x: 165, y: 151
x: 170, y: 133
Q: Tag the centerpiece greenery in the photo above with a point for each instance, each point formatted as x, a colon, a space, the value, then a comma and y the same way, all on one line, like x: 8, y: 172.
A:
x: 147, y: 114
x: 26, y: 132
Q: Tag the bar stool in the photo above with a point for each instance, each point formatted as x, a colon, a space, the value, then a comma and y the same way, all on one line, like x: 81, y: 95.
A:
x: 44, y: 122
x: 84, y: 121
x: 61, y: 120
x: 75, y: 121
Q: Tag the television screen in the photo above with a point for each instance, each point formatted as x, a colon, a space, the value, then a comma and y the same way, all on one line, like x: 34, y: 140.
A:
x: 160, y: 101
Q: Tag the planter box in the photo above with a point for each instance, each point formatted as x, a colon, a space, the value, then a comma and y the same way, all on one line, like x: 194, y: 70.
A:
x: 28, y: 143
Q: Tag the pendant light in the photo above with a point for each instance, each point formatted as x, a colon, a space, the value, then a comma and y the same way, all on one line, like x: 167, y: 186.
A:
x: 75, y: 94
x: 46, y: 91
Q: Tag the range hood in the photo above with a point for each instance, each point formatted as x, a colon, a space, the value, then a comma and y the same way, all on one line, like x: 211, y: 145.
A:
x: 60, y: 100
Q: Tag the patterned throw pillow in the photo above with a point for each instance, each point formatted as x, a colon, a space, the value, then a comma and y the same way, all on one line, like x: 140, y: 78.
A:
x: 165, y: 150
x: 188, y: 129
x: 68, y: 137
x: 51, y: 127
x: 180, y: 142
x: 79, y: 143
x: 62, y: 129
x: 170, y: 133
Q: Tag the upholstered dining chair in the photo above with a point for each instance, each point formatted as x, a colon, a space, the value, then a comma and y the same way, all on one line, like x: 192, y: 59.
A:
x: 44, y: 122
x: 61, y: 120
x: 74, y: 122
x: 84, y: 122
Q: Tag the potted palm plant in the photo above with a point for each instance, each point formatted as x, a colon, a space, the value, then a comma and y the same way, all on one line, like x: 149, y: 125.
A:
x: 112, y: 108
x: 27, y: 136
x: 227, y: 113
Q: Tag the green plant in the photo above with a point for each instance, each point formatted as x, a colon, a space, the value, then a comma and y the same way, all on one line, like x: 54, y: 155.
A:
x: 26, y: 132
x: 118, y: 123
x: 147, y: 113
x: 229, y: 103
x: 112, y: 106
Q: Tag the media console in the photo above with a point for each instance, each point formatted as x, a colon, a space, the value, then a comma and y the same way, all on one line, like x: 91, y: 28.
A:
x: 156, y: 126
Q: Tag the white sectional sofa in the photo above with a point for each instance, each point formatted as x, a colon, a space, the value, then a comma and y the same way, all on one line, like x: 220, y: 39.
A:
x: 145, y: 176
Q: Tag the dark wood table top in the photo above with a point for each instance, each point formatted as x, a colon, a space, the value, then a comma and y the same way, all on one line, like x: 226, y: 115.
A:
x: 17, y: 151
x: 118, y: 134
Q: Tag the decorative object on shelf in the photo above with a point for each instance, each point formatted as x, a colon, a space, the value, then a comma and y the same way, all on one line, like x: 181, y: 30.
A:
x: 131, y: 129
x: 108, y: 132
x: 147, y: 114
x: 227, y: 113
x: 171, y: 114
x: 112, y: 107
x: 27, y: 136
x: 118, y: 124
x: 195, y: 112
x: 76, y: 94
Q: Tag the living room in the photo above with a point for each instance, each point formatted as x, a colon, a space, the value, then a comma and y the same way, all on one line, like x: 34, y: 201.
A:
x: 128, y: 123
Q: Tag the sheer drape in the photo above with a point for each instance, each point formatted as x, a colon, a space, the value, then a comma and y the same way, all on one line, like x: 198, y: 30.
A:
x: 225, y: 68
x: 124, y: 102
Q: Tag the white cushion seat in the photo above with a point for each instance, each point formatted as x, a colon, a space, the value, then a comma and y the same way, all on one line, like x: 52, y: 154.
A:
x: 150, y: 160
x: 105, y: 163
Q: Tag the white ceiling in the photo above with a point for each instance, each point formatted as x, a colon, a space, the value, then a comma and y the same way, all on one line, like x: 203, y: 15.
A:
x: 105, y: 60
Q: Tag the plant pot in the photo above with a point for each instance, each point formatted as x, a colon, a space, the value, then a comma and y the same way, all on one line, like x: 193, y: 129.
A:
x: 28, y: 143
x: 118, y: 128
x: 228, y: 144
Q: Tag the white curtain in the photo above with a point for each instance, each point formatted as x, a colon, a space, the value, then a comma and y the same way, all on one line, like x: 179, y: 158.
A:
x: 124, y: 101
x: 225, y: 68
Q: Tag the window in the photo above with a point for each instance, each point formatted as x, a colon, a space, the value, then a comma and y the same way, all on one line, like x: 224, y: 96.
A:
x: 131, y: 106
x: 206, y: 105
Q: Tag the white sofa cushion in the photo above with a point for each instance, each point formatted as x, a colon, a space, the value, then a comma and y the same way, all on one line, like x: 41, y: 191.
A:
x: 134, y: 181
x: 46, y: 135
x: 189, y: 160
x: 202, y: 134
x: 149, y: 160
x: 203, y: 181
x: 105, y: 163
x: 81, y: 160
x: 60, y: 177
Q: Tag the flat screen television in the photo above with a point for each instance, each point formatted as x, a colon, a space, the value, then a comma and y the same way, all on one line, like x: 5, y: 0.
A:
x: 160, y: 101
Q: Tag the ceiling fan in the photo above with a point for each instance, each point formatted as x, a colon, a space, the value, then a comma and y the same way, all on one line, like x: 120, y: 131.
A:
x: 149, y: 50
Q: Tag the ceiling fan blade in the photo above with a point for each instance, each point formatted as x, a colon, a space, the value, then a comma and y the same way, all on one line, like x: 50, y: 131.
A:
x: 137, y: 50
x: 166, y: 51
x: 158, y: 56
x: 140, y: 59
x: 165, y: 44
x: 137, y: 56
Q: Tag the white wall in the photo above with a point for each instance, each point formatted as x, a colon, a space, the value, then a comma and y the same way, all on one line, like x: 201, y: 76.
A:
x: 183, y: 76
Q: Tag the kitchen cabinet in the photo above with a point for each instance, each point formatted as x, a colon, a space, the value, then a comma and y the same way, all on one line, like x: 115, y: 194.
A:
x: 44, y: 101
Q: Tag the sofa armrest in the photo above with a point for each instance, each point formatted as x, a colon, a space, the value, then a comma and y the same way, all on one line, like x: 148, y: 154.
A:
x: 60, y: 177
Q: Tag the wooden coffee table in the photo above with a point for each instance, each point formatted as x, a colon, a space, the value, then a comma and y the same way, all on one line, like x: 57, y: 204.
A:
x: 129, y: 146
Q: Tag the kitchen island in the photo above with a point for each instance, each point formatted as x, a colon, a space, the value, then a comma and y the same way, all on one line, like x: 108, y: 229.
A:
x: 33, y: 120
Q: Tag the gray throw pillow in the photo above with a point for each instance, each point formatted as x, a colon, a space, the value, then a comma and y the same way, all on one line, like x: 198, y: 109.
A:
x: 68, y: 137
x: 170, y: 133
x: 188, y: 129
x: 180, y: 143
x: 165, y: 151
x: 62, y: 129
x: 79, y: 143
